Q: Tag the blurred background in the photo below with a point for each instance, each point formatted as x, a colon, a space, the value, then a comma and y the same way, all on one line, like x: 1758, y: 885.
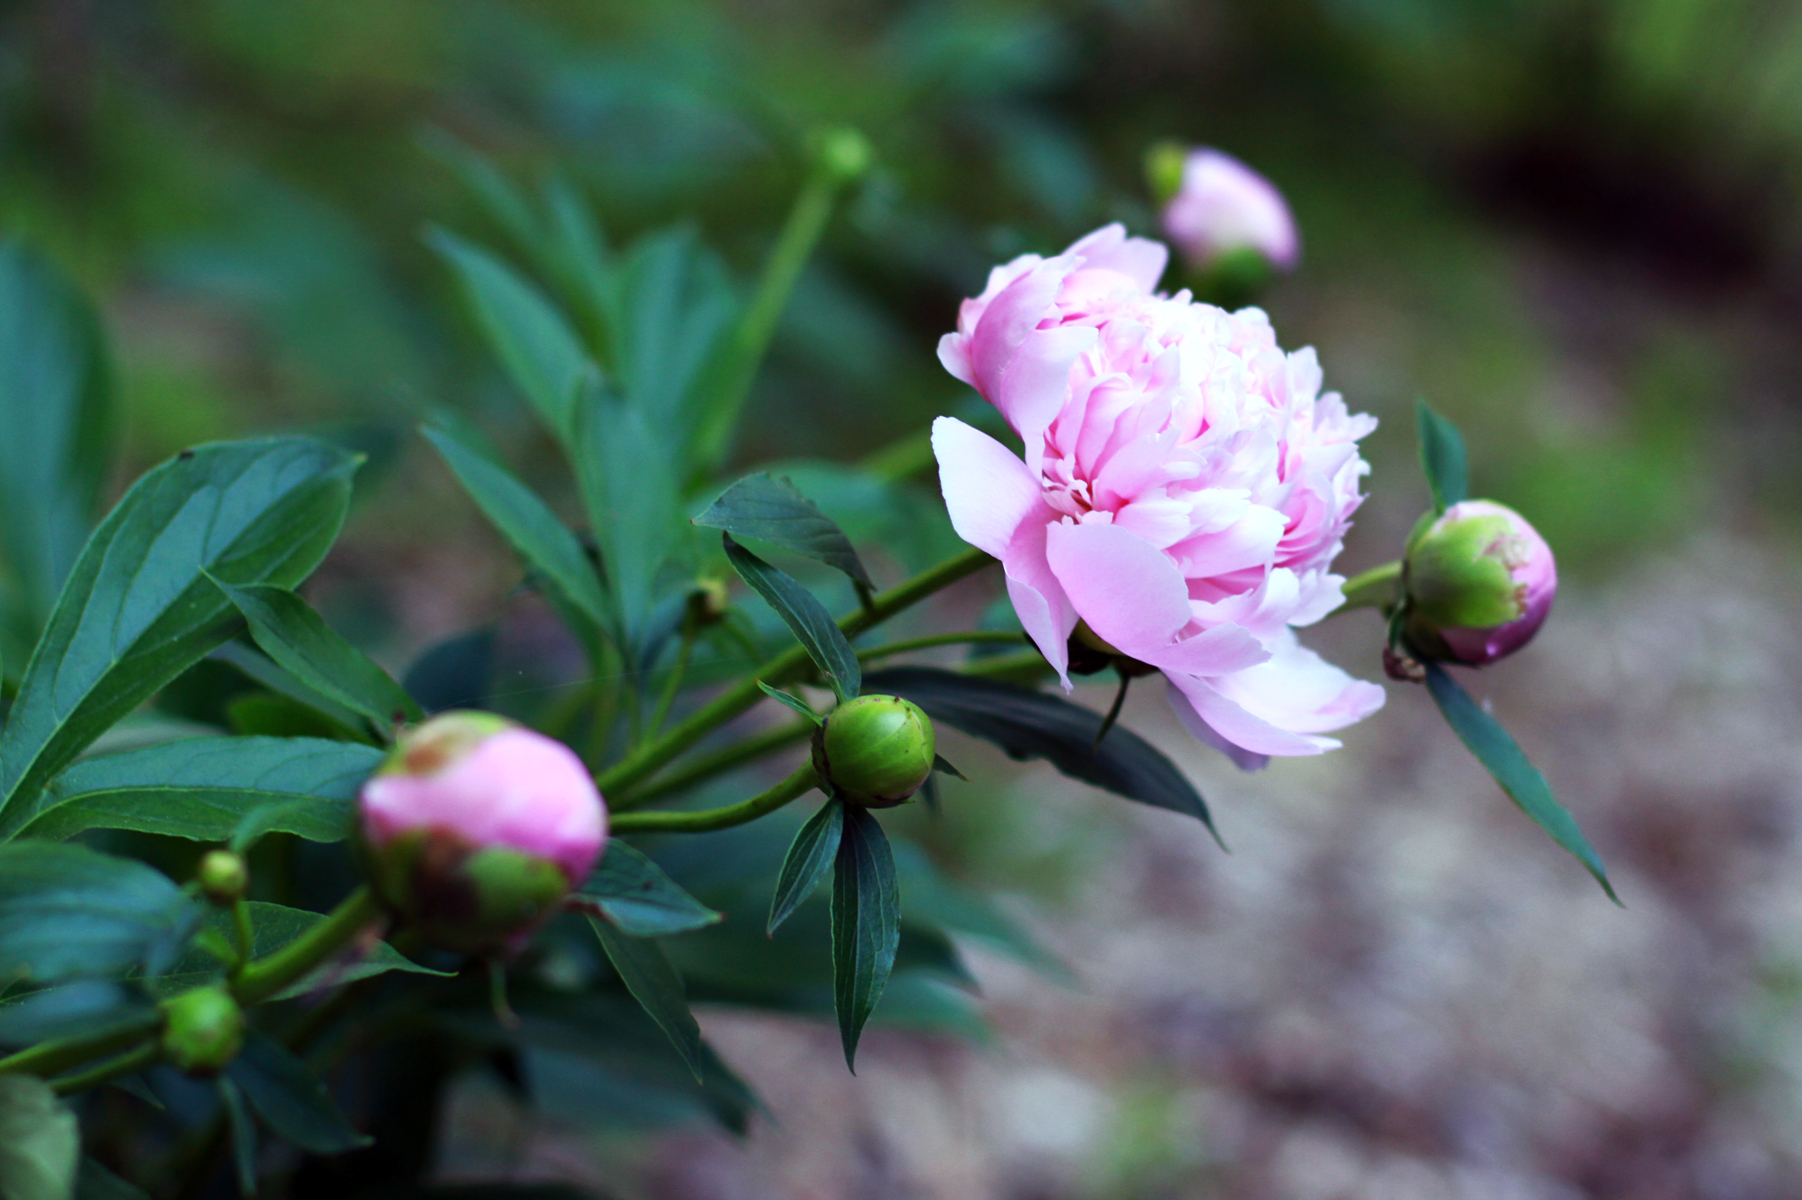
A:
x: 1568, y: 223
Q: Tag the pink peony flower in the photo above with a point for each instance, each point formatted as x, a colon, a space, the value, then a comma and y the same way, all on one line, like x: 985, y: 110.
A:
x: 1222, y: 205
x: 1481, y: 582
x: 478, y: 828
x: 1184, y: 491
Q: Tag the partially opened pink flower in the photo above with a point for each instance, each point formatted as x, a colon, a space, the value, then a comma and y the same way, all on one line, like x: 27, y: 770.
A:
x: 1185, y: 487
x: 1222, y: 205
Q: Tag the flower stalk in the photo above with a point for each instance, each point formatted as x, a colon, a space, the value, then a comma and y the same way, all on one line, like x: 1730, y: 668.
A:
x: 802, y: 781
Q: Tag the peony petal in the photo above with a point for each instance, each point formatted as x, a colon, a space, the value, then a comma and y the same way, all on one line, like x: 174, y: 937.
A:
x: 1033, y: 388
x: 1244, y: 729
x: 988, y: 491
x: 1242, y: 758
x: 1300, y: 691
x: 1015, y: 312
x: 1217, y: 651
x: 1039, y: 599
x: 1140, y: 259
x: 1129, y: 591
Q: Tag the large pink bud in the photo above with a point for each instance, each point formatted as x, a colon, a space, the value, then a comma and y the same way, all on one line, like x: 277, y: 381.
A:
x: 477, y: 829
x: 1216, y: 206
x: 1480, y: 583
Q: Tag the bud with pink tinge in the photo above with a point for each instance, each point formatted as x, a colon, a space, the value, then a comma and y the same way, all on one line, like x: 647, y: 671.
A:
x: 477, y: 829
x: 1216, y: 209
x: 1480, y: 582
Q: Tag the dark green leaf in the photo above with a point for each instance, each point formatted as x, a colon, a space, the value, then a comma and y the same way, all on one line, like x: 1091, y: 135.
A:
x: 243, y: 1132
x: 57, y: 413
x: 638, y: 898
x: 243, y: 655
x: 1503, y: 758
x: 456, y: 673
x: 792, y: 701
x: 944, y: 767
x: 536, y: 345
x: 809, y: 856
x: 137, y: 610
x: 68, y: 912
x: 806, y: 617
x: 205, y: 788
x: 530, y: 527
x: 86, y: 1006
x: 95, y: 1182
x: 291, y: 1099
x: 1441, y: 456
x: 866, y: 924
x: 1028, y: 724
x: 286, y: 628
x: 40, y: 1143
x: 771, y: 508
x: 648, y: 975
x: 630, y: 487
x: 666, y: 319
x: 274, y: 926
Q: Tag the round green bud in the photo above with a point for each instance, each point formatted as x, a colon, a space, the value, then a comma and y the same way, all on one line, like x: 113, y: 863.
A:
x: 875, y: 750
x: 224, y: 876
x: 1479, y: 581
x: 843, y: 153
x: 1164, y: 170
x: 203, y: 1030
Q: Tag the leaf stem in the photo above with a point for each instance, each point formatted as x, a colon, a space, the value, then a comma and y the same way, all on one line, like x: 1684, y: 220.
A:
x: 300, y: 957
x: 968, y: 638
x: 53, y: 1058
x: 707, y: 766
x: 124, y: 1064
x: 1375, y: 588
x: 742, y: 695
x: 246, y: 937
x: 804, y: 780
x: 673, y: 684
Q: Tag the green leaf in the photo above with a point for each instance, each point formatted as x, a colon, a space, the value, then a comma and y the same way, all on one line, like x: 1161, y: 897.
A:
x: 84, y: 1007
x: 292, y: 1101
x: 866, y: 924
x: 243, y: 1133
x: 806, y: 617
x: 273, y: 927
x: 457, y: 672
x: 542, y: 354
x: 648, y: 975
x: 137, y: 609
x: 634, y: 894
x: 40, y: 1142
x: 524, y: 520
x: 95, y: 1182
x: 56, y: 408
x: 1028, y: 724
x: 772, y: 508
x: 666, y: 320
x: 1441, y: 456
x: 809, y: 855
x: 69, y: 912
x: 792, y: 701
x: 286, y: 628
x: 1503, y: 758
x: 630, y: 487
x: 204, y: 789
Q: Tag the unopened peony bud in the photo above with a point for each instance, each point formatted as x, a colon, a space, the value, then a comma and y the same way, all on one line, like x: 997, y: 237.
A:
x: 875, y: 750
x: 843, y: 153
x: 1220, y: 209
x: 203, y: 1030
x: 223, y: 876
x: 1480, y: 581
x: 478, y: 828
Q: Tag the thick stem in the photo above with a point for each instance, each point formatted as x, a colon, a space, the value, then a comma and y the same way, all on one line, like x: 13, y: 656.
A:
x: 973, y: 637
x: 53, y: 1058
x: 1375, y: 588
x: 804, y: 780
x: 778, y: 670
x: 312, y: 949
x: 709, y: 765
x: 132, y: 1060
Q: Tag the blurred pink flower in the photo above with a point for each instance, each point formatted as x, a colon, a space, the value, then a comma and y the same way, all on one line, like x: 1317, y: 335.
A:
x: 1222, y: 205
x: 1184, y: 491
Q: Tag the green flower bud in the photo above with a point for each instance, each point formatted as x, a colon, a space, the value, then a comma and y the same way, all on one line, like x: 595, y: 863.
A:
x: 843, y: 152
x: 224, y: 877
x: 1480, y: 582
x: 1164, y: 170
x: 875, y: 750
x: 203, y: 1030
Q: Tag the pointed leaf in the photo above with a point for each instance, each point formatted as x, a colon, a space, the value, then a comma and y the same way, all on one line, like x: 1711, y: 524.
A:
x: 668, y: 316
x: 792, y: 701
x: 634, y: 894
x: 292, y: 1100
x: 286, y: 628
x: 138, y: 610
x: 542, y: 354
x: 95, y: 1182
x: 866, y: 924
x: 809, y: 856
x: 629, y: 485
x: 1441, y: 456
x: 1028, y: 724
x: 68, y: 912
x: 654, y: 983
x: 1503, y: 758
x: 40, y: 1143
x: 204, y: 788
x: 805, y: 616
x: 274, y: 926
x: 772, y: 508
x: 524, y: 520
x: 944, y: 767
x: 243, y: 1133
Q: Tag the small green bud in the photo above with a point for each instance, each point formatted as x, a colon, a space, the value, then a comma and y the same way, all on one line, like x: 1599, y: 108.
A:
x: 843, y: 153
x: 875, y: 750
x: 224, y: 876
x: 203, y: 1030
x: 708, y: 602
x: 1164, y: 170
x: 1480, y: 582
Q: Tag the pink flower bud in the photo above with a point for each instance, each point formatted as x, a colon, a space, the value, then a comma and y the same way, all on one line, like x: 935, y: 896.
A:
x: 1480, y: 583
x: 1222, y: 206
x: 477, y: 829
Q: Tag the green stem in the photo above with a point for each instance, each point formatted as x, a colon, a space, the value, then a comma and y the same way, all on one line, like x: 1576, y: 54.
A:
x: 901, y: 459
x: 246, y: 937
x: 306, y: 953
x: 674, y: 683
x: 132, y: 1060
x: 1027, y: 667
x: 707, y: 766
x: 53, y: 1058
x: 804, y: 780
x: 970, y: 637
x: 1375, y: 588
x: 742, y: 695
